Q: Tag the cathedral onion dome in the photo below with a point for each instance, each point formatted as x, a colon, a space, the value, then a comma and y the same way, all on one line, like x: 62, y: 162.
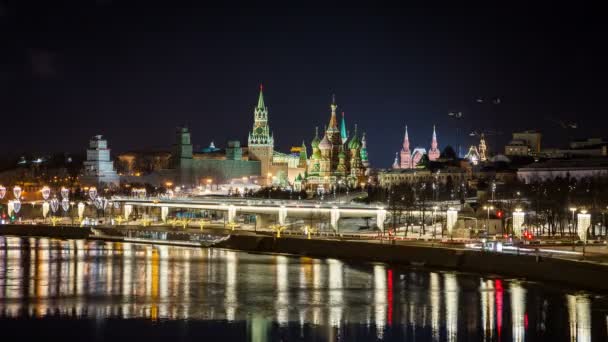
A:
x: 316, y: 155
x: 299, y: 177
x: 342, y: 154
x: 354, y: 143
x: 324, y: 144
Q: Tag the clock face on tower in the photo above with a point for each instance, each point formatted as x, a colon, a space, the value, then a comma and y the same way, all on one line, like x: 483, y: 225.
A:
x: 259, y: 130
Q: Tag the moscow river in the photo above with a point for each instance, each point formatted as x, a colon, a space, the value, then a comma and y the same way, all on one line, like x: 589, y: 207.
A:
x: 95, y: 291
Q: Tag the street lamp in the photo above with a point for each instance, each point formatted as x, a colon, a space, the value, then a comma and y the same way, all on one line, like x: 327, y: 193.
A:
x: 435, y: 208
x: 573, y: 210
x: 493, y: 189
x: 488, y: 208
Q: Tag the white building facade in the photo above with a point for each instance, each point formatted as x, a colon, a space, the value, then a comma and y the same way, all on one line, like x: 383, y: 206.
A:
x: 99, y: 168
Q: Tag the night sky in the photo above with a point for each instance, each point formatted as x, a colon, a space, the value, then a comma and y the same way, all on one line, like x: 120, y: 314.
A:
x: 133, y: 71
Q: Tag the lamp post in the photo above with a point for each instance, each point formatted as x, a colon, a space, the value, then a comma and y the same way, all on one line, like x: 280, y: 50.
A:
x: 493, y: 190
x: 488, y: 208
x: 573, y: 210
x: 435, y: 208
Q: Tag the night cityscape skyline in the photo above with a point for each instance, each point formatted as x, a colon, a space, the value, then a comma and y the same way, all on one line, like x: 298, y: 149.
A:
x: 303, y: 171
x: 134, y: 73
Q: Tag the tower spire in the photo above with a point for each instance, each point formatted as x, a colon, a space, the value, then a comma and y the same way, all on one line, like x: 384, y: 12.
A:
x: 434, y: 151
x: 406, y: 140
x: 261, y: 98
x: 343, y: 132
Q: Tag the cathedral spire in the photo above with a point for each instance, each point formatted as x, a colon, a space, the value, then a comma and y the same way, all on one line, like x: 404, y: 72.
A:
x: 396, y: 162
x: 343, y: 133
x: 333, y: 121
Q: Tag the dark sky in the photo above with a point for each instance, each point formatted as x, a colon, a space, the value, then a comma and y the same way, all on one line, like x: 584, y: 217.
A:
x: 133, y: 71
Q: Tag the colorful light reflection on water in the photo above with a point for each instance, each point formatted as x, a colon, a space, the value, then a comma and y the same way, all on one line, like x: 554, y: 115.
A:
x: 98, y: 290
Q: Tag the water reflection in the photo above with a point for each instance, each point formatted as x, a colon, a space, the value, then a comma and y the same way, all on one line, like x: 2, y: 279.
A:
x: 280, y: 297
x: 579, y: 314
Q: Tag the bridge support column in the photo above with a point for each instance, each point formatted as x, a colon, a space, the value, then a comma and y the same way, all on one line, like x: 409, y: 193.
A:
x: 282, y: 215
x: 335, y: 218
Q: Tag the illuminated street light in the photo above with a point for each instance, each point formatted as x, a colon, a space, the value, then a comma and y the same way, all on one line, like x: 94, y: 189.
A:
x: 488, y: 208
x: 573, y: 210
x: 518, y: 221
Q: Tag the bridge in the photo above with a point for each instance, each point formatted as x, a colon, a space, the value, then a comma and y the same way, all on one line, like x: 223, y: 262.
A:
x: 264, y: 210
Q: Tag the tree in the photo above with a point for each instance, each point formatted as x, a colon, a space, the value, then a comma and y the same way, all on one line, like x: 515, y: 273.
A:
x: 448, y: 153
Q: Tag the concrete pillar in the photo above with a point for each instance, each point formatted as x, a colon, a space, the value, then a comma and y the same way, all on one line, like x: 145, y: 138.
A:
x: 334, y: 218
x: 452, y: 218
x: 282, y: 215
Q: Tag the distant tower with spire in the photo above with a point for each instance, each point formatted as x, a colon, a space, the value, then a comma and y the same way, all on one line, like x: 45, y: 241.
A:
x: 483, y: 148
x: 261, y: 141
x: 434, y: 151
x: 396, y: 162
x: 406, y: 154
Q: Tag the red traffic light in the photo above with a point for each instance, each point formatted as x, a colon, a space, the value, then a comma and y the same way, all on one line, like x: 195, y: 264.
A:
x: 499, y: 214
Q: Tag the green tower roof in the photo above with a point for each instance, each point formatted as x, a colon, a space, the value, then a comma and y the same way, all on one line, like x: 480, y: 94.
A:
x: 343, y: 134
x: 354, y: 143
x: 261, y: 98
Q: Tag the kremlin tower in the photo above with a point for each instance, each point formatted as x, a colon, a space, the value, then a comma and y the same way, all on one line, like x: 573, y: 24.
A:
x: 407, y: 159
x: 406, y: 156
x: 260, y: 141
x: 434, y: 151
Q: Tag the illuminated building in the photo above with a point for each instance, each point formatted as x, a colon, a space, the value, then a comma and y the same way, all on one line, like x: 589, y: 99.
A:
x: 410, y: 159
x: 99, y: 168
x: 336, y: 158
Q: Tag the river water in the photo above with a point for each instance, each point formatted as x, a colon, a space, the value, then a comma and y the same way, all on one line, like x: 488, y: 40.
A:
x: 102, y: 291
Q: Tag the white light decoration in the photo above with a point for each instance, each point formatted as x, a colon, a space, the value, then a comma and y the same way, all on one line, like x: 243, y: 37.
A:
x: 380, y: 218
x: 518, y: 221
x: 334, y: 217
x: 584, y: 221
x: 54, y: 205
x: 451, y: 219
x: 45, y: 209
x: 2, y: 191
x: 231, y: 213
x: 80, y: 210
x: 164, y: 211
x: 10, y: 207
x: 128, y: 209
x: 98, y: 202
x: 116, y: 205
x: 17, y: 192
x: 65, y: 193
x: 282, y: 215
x: 104, y: 203
x: 92, y: 193
x: 16, y: 206
x: 65, y: 204
x: 46, y: 192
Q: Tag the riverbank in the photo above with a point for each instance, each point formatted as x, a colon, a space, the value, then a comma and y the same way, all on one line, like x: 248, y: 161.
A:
x: 578, y: 274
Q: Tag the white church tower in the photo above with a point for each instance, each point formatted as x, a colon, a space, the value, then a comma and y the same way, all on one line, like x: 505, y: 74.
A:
x: 99, y: 168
